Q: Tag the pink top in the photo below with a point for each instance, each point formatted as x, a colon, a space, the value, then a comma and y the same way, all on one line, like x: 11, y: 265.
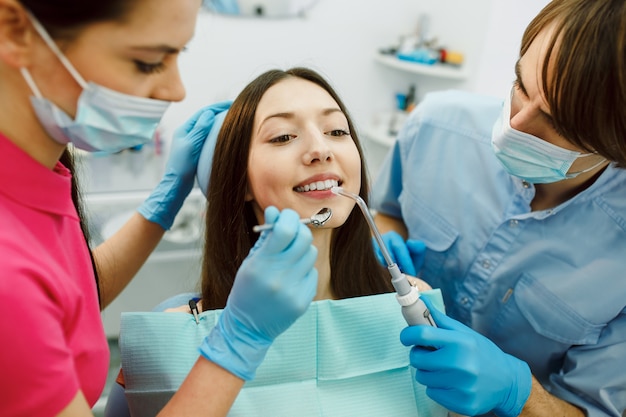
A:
x: 53, y: 342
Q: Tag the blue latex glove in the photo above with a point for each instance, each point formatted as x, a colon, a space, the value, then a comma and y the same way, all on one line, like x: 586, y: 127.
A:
x: 466, y: 373
x: 205, y: 161
x: 167, y: 198
x: 409, y: 255
x: 273, y: 287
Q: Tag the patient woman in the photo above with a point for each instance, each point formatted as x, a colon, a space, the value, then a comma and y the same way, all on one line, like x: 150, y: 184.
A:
x: 286, y: 140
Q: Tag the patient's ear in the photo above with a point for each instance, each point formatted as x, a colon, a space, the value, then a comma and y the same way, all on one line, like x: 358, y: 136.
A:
x: 16, y: 34
x: 249, y: 196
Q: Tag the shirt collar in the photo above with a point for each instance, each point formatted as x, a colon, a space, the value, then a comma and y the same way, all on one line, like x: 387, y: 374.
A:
x: 30, y: 183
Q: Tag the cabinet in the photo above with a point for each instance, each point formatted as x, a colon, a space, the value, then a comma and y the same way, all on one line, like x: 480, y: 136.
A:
x: 175, y: 265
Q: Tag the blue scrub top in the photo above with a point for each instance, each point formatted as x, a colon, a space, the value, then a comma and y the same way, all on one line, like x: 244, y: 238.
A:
x: 548, y: 287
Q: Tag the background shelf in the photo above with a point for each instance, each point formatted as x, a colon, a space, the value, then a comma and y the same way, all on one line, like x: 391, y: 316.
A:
x: 436, y: 70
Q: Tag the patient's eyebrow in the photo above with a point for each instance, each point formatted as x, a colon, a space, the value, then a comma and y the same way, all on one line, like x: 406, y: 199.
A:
x: 331, y: 110
x: 291, y: 115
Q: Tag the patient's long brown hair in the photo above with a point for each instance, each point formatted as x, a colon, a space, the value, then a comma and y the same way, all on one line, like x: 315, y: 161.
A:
x: 355, y: 271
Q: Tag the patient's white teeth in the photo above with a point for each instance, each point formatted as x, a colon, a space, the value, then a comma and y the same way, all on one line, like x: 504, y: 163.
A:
x: 318, y: 186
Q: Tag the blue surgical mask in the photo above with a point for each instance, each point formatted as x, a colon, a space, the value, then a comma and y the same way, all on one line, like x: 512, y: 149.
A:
x: 106, y: 120
x: 529, y: 157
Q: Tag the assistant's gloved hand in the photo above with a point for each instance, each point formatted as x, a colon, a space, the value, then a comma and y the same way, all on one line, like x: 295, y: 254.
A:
x: 467, y: 373
x: 273, y: 287
x: 409, y: 255
x: 167, y: 198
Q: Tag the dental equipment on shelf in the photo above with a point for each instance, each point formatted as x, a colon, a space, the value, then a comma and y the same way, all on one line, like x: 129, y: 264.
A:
x: 413, y: 308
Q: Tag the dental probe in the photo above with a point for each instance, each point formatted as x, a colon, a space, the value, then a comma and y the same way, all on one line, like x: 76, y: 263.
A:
x: 413, y: 308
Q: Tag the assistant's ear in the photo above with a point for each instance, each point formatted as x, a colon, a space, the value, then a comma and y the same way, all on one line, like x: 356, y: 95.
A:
x: 16, y: 34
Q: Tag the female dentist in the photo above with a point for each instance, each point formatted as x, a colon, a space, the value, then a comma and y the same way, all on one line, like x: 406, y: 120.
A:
x: 100, y: 75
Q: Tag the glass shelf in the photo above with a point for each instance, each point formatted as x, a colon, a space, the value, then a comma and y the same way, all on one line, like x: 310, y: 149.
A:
x: 436, y: 70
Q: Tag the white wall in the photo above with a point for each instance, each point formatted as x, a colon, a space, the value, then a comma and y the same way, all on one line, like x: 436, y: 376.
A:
x: 508, y: 20
x: 336, y: 37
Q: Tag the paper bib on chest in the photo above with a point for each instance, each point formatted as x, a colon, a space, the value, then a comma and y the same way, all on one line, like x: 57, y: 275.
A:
x: 341, y: 358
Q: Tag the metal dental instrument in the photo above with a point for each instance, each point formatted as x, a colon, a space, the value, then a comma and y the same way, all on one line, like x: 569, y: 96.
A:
x: 319, y: 219
x: 193, y: 306
x: 413, y: 308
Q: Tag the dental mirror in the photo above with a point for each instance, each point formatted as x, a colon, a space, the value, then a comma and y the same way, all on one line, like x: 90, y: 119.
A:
x: 319, y: 219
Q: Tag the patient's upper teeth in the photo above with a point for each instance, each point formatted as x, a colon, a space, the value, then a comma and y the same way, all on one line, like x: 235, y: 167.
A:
x: 318, y: 185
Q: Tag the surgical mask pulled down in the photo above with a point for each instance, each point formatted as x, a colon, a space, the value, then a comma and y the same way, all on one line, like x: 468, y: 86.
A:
x: 529, y: 157
x: 106, y: 120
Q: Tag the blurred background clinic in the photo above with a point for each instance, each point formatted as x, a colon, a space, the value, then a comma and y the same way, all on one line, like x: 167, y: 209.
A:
x: 381, y: 56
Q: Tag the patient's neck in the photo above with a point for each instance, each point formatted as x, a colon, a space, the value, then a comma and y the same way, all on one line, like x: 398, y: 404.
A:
x: 321, y: 240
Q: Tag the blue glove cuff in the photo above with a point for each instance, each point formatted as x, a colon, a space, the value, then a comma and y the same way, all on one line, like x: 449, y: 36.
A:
x: 165, y: 201
x: 520, y: 391
x: 169, y: 195
x: 233, y: 348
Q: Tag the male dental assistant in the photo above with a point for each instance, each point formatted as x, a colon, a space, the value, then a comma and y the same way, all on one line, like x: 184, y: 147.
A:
x: 521, y: 205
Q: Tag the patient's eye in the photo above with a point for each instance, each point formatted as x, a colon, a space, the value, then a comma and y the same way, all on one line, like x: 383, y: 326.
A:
x: 282, y: 139
x: 339, y: 132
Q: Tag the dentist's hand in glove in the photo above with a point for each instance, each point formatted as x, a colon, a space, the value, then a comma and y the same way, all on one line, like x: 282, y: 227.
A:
x: 167, y: 198
x: 466, y: 373
x: 273, y: 287
x: 408, y: 255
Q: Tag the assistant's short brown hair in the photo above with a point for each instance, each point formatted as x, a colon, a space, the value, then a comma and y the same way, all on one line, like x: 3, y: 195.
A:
x: 584, y: 75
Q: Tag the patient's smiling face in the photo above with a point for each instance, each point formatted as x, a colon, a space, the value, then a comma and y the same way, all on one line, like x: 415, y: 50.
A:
x: 300, y: 147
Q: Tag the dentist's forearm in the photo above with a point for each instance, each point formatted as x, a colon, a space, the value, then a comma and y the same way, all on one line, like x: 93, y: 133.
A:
x: 208, y: 391
x: 543, y: 404
x: 119, y: 258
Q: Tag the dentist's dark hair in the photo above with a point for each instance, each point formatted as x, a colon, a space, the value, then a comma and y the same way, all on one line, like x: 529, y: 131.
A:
x: 355, y: 271
x: 584, y: 75
x: 64, y: 19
